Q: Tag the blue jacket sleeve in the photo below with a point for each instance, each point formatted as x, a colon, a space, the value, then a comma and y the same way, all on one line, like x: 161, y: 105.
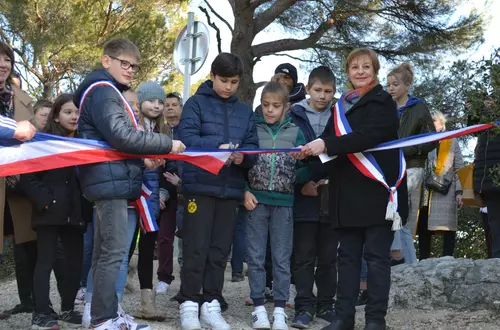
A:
x: 108, y: 116
x: 250, y: 141
x: 7, y: 127
x: 190, y: 132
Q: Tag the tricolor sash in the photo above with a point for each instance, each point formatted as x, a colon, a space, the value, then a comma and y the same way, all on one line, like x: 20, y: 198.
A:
x: 368, y: 166
x: 147, y: 221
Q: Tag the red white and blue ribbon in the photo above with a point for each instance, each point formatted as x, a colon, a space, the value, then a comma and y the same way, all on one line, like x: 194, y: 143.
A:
x: 368, y: 166
x: 144, y: 207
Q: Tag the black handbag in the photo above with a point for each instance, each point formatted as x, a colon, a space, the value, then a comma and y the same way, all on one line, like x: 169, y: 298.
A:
x: 438, y: 183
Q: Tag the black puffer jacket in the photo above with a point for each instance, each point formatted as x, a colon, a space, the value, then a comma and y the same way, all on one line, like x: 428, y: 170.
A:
x: 103, y: 117
x: 416, y: 119
x: 56, y: 197
x: 487, y: 157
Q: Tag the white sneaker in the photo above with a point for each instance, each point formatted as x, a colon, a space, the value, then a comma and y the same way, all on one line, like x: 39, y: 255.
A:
x: 292, y: 293
x: 127, y: 321
x: 86, y: 316
x: 259, y: 319
x: 279, y: 319
x: 211, y: 317
x: 108, y: 325
x: 189, y: 316
x: 162, y: 288
x: 80, y: 296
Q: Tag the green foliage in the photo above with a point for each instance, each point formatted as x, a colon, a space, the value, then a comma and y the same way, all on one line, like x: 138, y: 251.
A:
x: 59, y: 41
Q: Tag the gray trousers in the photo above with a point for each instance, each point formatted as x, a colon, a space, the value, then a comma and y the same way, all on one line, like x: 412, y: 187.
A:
x: 110, y: 247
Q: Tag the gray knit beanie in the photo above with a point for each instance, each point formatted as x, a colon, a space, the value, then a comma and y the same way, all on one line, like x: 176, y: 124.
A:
x: 150, y: 90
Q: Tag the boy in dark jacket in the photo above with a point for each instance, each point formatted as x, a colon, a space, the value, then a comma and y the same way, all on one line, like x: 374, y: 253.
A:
x: 314, y: 239
x: 212, y: 118
x: 105, y: 116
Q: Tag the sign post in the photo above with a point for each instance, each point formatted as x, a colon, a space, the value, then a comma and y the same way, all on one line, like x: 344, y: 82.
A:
x: 191, y: 50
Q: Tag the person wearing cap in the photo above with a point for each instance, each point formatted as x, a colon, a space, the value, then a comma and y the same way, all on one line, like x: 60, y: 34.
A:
x: 286, y: 74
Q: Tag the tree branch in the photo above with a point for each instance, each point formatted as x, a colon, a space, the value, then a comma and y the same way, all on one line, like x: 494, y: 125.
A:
x: 219, y: 16
x: 260, y: 84
x: 271, y: 47
x: 213, y: 26
x: 269, y: 15
x: 256, y: 3
x: 295, y: 58
x: 108, y: 15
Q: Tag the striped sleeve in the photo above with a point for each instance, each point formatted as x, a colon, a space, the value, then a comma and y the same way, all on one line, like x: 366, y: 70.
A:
x: 7, y: 127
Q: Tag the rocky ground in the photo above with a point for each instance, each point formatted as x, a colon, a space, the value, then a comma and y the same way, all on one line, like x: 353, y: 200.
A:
x: 238, y: 314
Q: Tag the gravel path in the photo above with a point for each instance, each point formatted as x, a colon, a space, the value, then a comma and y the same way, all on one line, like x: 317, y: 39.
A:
x: 238, y: 314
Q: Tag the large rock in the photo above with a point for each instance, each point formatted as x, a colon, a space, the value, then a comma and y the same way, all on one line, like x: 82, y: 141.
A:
x: 446, y: 283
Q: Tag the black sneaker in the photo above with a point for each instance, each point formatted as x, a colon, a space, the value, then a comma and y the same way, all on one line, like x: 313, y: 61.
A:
x: 71, y: 319
x: 326, y: 314
x: 302, y: 320
x: 362, y: 298
x: 19, y: 309
x: 238, y: 277
x: 44, y: 322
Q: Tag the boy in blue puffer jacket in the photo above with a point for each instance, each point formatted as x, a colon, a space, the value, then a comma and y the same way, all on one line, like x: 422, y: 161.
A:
x: 212, y: 118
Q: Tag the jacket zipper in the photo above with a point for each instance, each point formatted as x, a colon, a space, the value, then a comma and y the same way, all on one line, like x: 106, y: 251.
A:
x: 273, y: 156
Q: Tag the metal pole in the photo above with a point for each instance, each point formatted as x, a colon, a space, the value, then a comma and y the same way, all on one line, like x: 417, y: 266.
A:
x: 187, y: 62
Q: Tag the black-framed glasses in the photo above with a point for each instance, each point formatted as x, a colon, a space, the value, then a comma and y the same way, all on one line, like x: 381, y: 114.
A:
x: 127, y: 65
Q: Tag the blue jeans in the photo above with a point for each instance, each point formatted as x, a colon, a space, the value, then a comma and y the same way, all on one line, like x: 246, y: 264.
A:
x: 403, y: 238
x: 403, y: 241
x: 122, y: 274
x: 88, y: 246
x: 239, y: 241
x: 278, y: 222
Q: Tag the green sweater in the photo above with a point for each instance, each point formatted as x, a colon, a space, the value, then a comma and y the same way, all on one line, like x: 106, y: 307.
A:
x: 279, y: 191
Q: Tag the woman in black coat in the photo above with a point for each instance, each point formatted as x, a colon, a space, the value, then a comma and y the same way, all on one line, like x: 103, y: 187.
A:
x: 57, y: 213
x: 359, y: 208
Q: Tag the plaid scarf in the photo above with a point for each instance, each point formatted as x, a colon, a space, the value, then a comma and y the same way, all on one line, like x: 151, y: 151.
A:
x: 7, y: 102
x: 351, y: 95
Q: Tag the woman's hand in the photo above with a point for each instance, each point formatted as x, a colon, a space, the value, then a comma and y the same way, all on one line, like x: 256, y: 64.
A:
x: 172, y: 178
x: 314, y: 148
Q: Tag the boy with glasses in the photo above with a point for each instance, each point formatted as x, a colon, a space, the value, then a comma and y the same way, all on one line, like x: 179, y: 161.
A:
x: 106, y: 116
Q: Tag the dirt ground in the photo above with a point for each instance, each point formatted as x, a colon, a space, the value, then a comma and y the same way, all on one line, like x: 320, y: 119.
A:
x: 238, y: 314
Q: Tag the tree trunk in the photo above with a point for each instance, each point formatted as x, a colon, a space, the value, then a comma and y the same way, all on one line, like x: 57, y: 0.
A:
x: 48, y: 90
x: 241, y: 43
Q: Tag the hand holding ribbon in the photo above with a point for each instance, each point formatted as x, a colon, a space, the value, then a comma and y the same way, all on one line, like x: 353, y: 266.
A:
x: 314, y: 148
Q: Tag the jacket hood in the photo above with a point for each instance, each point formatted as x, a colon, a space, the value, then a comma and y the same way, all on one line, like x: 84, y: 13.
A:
x: 95, y: 76
x: 307, y: 107
x: 298, y: 93
x: 412, y: 100
x: 207, y: 89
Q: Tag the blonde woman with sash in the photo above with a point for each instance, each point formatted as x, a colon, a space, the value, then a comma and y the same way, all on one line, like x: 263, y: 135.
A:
x: 365, y: 206
x: 439, y: 212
